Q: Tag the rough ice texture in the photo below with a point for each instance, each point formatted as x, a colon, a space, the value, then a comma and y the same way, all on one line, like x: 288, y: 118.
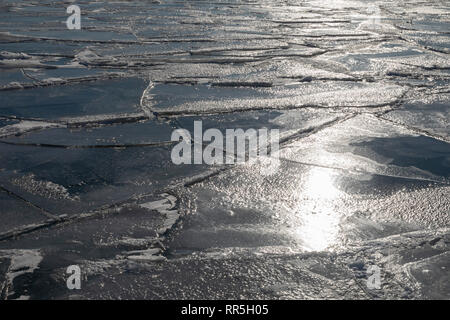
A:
x: 362, y: 104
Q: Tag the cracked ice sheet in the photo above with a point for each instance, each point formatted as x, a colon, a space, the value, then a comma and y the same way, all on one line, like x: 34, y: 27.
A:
x: 306, y: 208
x: 171, y: 21
x: 430, y: 113
x: 72, y: 181
x: 274, y: 273
x: 289, y: 122
x: 18, y: 128
x: 268, y: 72
x: 4, y: 122
x: 14, y: 264
x: 13, y: 76
x: 368, y: 144
x: 203, y: 100
x: 129, y: 233
x: 115, y: 232
x: 16, y: 213
x: 92, y: 133
x: 47, y: 21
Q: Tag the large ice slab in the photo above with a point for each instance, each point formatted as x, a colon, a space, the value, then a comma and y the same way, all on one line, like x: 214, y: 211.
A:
x: 103, y: 97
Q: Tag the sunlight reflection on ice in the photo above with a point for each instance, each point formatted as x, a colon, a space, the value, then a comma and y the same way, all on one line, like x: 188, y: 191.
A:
x: 318, y: 224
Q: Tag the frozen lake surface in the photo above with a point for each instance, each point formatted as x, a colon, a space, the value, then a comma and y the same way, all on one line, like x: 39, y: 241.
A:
x: 358, y: 89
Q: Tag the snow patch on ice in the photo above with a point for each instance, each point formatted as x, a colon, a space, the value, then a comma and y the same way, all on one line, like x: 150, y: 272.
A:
x: 164, y: 206
x: 47, y: 189
x: 21, y: 262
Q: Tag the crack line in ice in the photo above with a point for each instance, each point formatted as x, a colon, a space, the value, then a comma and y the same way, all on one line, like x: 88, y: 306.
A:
x: 414, y: 129
x: 41, y: 210
x: 97, y: 146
